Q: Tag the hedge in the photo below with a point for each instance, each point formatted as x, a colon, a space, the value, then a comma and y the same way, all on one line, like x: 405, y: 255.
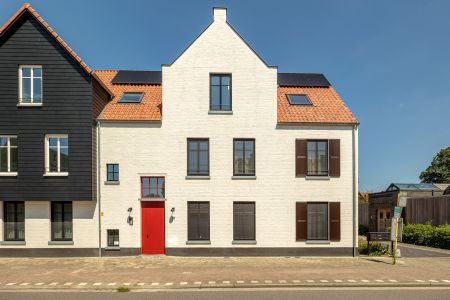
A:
x: 427, y: 235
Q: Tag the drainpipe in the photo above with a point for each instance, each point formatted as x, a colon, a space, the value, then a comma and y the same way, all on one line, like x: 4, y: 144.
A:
x: 99, y: 193
x: 355, y: 200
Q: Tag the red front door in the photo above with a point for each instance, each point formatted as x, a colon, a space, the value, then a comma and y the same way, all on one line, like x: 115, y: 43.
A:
x: 153, y: 237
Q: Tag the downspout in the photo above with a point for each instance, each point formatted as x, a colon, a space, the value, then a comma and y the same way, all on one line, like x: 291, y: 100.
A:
x: 99, y: 193
x: 355, y: 247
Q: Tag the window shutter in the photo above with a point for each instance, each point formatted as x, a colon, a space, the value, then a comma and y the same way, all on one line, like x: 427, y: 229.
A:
x: 203, y: 218
x: 300, y: 158
x: 300, y: 220
x: 244, y: 221
x: 193, y: 221
x: 335, y: 158
x: 335, y: 221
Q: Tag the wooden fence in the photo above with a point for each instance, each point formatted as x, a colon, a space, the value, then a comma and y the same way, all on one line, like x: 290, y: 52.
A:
x: 363, y: 214
x: 426, y: 209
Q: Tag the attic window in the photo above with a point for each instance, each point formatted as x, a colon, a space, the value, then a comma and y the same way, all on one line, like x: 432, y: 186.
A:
x: 131, y: 98
x: 298, y: 99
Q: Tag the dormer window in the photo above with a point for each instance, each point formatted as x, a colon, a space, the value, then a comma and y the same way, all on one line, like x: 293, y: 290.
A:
x: 220, y: 92
x: 134, y: 97
x: 30, y: 85
x: 298, y: 99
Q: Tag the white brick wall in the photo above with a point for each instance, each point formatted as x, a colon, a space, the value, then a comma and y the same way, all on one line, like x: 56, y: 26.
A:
x: 146, y: 149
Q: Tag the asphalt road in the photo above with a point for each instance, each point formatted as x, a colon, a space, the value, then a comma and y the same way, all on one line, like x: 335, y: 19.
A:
x: 247, y: 294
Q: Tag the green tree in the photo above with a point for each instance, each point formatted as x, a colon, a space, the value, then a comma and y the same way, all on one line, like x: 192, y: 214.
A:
x: 439, y: 170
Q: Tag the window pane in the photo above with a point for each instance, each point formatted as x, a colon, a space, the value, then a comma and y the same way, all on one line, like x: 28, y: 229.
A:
x: 64, y: 159
x: 37, y: 72
x: 203, y: 162
x: 26, y: 90
x: 26, y: 72
x: 14, y: 159
x: 238, y: 162
x: 131, y: 98
x: 53, y: 159
x: 203, y: 145
x: 317, y: 224
x: 215, y: 98
x: 225, y: 80
x: 3, y: 159
x: 3, y: 141
x: 161, y: 187
x: 215, y: 80
x: 12, y: 141
x: 193, y: 162
x: 37, y: 90
x: 53, y: 142
x: 244, y: 221
x: 193, y: 145
x: 226, y: 98
x: 64, y: 142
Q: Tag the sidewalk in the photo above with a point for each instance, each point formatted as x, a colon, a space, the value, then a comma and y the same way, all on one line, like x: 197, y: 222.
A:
x: 157, y: 272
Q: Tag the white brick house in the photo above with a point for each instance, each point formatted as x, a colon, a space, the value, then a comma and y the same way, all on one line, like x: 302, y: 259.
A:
x: 170, y: 175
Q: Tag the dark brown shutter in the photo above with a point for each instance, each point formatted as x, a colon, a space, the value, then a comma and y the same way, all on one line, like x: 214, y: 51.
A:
x: 193, y: 211
x: 203, y: 221
x: 300, y: 220
x: 335, y: 158
x: 244, y: 221
x: 335, y: 221
x: 301, y: 166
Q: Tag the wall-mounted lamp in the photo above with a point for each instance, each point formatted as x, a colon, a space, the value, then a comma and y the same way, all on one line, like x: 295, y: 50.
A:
x: 130, y: 218
x: 171, y: 215
x: 172, y: 209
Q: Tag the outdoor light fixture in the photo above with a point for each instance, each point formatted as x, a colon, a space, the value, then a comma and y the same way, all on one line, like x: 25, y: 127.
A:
x: 130, y: 218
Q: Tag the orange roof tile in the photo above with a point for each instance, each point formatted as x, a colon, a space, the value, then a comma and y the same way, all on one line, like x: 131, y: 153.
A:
x: 148, y: 110
x: 27, y: 7
x: 327, y: 107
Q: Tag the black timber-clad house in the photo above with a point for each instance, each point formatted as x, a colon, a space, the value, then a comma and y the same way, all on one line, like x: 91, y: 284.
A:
x: 49, y: 101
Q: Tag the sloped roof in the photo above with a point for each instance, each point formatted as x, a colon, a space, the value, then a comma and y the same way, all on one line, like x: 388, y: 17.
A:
x: 149, y: 109
x: 326, y: 106
x: 27, y: 8
x: 302, y: 79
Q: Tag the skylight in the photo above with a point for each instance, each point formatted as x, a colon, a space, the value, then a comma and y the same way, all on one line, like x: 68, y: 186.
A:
x: 131, y: 98
x: 298, y: 99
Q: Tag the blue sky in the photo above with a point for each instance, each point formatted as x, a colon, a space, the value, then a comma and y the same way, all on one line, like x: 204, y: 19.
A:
x: 389, y: 60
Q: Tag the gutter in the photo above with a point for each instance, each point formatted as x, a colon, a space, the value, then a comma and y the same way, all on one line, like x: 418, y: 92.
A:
x: 99, y: 193
x: 355, y: 199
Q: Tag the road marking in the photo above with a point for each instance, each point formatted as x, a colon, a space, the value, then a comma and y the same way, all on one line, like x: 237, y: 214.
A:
x: 296, y: 281
x: 351, y: 280
x: 211, y: 282
x: 126, y: 283
x: 418, y: 280
x: 97, y: 283
x: 444, y: 280
x: 198, y: 282
x: 155, y: 283
x: 240, y: 281
x: 25, y: 283
x: 379, y: 280
x: 226, y: 282
x: 324, y: 280
x: 183, y: 283
x: 112, y: 283
x: 82, y: 283
x: 310, y: 281
x: 68, y: 283
x: 337, y: 280
x: 169, y: 283
x: 53, y: 283
x: 141, y: 283
x: 393, y: 280
x: 268, y: 281
x: 365, y: 280
x: 432, y: 280
x: 11, y: 283
x: 282, y: 281
x: 254, y: 281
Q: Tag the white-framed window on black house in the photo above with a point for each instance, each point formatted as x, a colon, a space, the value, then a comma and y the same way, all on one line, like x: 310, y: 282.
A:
x: 317, y: 157
x: 30, y: 85
x: 220, y: 92
x: 14, y: 221
x: 318, y: 221
x: 112, y: 172
x: 61, y: 221
x: 56, y: 154
x: 244, y: 157
x: 197, y: 157
x: 113, y: 237
x: 198, y: 221
x: 244, y: 227
x: 8, y: 155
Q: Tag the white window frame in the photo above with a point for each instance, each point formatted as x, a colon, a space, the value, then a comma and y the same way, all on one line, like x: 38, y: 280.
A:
x: 31, y: 103
x: 8, y: 146
x: 47, y: 153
